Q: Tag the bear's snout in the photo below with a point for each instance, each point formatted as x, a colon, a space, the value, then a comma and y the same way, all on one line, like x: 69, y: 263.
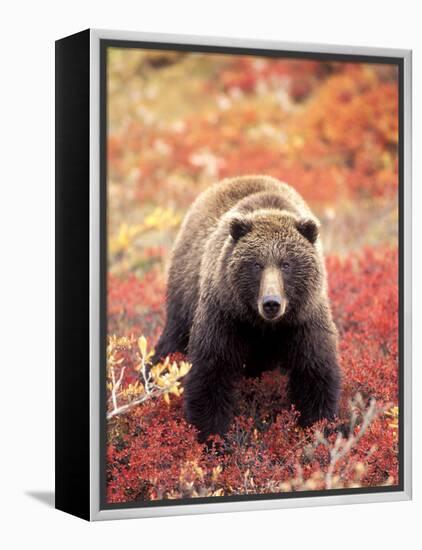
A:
x: 271, y: 305
x: 271, y: 300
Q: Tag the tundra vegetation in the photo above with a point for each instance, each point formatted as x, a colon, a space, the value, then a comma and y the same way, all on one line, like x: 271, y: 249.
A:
x: 177, y: 123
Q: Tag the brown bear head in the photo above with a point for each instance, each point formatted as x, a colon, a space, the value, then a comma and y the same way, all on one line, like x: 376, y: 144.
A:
x: 274, y: 266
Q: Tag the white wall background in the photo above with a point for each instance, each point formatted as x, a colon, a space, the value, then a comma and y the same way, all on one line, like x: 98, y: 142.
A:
x: 27, y: 37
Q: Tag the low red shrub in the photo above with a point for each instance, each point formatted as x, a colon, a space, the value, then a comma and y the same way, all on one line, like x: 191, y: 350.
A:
x: 152, y: 453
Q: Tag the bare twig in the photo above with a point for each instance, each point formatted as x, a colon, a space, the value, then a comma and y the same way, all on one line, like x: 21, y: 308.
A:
x: 154, y: 391
x: 124, y: 408
x: 161, y: 379
x: 116, y: 385
x: 343, y: 446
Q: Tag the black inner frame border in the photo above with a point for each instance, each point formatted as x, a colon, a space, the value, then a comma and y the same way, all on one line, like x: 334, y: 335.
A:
x: 105, y: 44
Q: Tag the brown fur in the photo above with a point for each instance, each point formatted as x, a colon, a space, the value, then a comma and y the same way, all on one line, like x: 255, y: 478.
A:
x: 241, y: 239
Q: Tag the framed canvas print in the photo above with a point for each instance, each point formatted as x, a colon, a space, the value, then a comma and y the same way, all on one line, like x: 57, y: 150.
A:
x: 233, y: 287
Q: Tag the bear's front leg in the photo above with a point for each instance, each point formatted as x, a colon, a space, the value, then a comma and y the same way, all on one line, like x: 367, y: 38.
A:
x: 314, y: 381
x: 208, y: 398
x: 209, y: 386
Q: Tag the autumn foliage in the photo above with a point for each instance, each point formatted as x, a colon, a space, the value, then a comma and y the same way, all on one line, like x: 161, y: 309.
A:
x: 329, y: 129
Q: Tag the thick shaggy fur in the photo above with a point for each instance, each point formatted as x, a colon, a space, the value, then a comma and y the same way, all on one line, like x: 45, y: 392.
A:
x: 232, y: 234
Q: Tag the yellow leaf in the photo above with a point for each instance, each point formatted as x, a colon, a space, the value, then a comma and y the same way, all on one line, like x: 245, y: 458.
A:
x: 142, y: 344
x: 167, y: 398
x: 150, y: 354
x: 184, y: 368
x: 174, y: 390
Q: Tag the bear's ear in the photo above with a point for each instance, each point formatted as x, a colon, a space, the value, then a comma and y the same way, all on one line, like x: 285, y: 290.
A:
x: 309, y: 229
x: 239, y: 227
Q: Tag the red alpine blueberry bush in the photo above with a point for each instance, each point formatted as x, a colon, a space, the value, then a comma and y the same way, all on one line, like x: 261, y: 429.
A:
x: 153, y: 453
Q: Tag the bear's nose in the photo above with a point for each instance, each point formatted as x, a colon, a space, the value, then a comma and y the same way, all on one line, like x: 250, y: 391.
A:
x: 271, y: 305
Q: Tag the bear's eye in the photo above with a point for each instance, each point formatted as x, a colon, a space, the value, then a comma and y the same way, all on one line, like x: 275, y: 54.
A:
x: 258, y: 266
x: 285, y: 266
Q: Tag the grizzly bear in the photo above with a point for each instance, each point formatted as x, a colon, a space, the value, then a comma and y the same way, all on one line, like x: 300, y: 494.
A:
x: 247, y: 292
